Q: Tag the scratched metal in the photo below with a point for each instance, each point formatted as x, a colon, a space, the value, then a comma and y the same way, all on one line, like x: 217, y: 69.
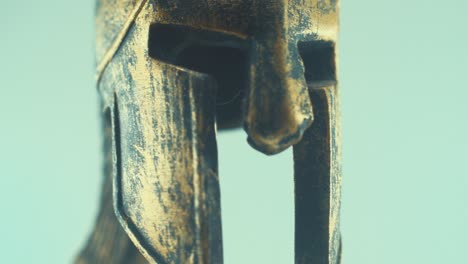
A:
x: 164, y: 109
x: 318, y: 181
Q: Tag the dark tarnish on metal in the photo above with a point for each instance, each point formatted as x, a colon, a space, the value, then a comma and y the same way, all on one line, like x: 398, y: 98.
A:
x: 172, y: 72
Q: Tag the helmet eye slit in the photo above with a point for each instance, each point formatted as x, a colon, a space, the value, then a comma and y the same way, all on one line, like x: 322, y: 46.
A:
x: 220, y: 55
x: 318, y: 58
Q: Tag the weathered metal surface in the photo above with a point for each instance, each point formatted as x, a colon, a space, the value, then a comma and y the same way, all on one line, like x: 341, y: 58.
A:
x: 169, y: 72
x: 166, y: 186
x: 318, y: 182
x: 108, y: 242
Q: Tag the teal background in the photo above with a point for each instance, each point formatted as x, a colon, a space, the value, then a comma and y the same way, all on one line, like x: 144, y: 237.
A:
x: 403, y: 73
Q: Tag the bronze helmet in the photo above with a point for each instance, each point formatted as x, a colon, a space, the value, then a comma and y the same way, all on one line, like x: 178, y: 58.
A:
x: 172, y: 72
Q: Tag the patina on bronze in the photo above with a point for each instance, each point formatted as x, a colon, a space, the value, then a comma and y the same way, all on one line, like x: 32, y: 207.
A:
x: 171, y: 72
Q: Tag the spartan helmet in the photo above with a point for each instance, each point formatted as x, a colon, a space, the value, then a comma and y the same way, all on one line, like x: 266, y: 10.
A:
x: 172, y: 72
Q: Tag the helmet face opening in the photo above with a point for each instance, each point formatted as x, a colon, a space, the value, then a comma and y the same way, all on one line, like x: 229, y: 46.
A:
x: 257, y: 51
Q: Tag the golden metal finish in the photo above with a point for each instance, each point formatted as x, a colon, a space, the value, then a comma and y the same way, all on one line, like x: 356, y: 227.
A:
x: 172, y: 71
